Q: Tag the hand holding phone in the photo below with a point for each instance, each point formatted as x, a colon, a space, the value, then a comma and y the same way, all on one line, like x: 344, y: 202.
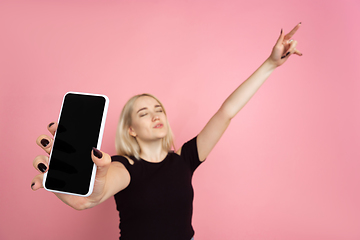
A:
x: 70, y: 169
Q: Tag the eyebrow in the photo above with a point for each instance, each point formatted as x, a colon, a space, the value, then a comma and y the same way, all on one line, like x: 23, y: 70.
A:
x: 156, y: 106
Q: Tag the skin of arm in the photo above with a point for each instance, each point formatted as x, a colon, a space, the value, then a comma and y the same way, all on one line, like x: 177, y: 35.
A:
x: 116, y: 180
x: 111, y: 177
x: 217, y: 125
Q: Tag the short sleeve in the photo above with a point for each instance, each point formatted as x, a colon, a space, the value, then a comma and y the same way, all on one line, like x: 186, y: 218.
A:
x: 125, y: 162
x: 121, y: 159
x: 189, y: 153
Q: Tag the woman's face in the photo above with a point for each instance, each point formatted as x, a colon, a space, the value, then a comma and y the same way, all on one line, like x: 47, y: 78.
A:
x: 149, y: 121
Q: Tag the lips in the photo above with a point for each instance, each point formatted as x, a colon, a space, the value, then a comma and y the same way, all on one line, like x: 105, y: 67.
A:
x: 159, y: 125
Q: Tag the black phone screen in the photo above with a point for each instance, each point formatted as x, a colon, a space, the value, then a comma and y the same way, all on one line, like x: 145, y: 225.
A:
x: 70, y: 166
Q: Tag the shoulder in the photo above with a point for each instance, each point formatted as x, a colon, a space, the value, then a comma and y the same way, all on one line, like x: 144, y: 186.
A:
x: 178, y: 152
x: 125, y: 160
x: 190, y: 145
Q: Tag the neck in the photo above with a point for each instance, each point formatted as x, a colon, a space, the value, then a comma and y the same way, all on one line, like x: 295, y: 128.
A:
x: 152, y: 151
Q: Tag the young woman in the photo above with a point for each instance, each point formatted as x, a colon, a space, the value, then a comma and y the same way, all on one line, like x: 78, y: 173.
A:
x: 151, y: 184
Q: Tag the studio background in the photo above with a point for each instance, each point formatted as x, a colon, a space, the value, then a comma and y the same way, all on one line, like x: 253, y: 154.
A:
x: 288, y: 165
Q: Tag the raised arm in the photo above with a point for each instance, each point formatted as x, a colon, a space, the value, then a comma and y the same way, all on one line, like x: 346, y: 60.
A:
x: 217, y: 125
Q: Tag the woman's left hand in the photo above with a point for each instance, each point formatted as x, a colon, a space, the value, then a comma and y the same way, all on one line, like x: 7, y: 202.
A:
x: 284, y: 47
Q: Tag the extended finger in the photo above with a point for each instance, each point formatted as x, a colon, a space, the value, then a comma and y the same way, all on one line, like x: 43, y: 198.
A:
x: 37, y: 181
x: 45, y: 142
x: 280, y: 39
x: 297, y: 52
x: 52, y: 127
x: 292, y: 32
x: 41, y: 163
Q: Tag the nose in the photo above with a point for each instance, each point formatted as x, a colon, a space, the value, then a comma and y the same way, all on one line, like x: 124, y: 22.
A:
x: 156, y: 117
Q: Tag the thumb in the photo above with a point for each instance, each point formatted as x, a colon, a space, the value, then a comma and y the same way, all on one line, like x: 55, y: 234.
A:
x: 102, y: 161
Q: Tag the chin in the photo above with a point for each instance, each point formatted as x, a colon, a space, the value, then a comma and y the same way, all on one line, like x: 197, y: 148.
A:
x: 162, y: 136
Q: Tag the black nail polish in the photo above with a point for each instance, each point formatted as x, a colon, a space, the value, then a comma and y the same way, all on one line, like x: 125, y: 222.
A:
x: 42, y: 167
x: 32, y: 185
x: 50, y: 124
x: 97, y: 153
x: 281, y: 31
x: 287, y: 54
x: 44, y: 142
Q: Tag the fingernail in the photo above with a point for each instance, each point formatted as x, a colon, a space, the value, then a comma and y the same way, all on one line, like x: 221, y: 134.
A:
x: 285, y: 55
x: 44, y: 142
x: 299, y: 22
x: 50, y: 124
x: 281, y: 31
x: 97, y: 153
x: 32, y: 185
x: 42, y: 167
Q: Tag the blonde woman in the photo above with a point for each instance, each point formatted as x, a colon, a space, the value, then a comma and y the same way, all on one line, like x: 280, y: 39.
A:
x: 151, y: 184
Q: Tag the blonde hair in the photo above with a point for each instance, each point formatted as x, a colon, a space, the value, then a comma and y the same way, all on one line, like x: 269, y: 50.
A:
x: 127, y: 145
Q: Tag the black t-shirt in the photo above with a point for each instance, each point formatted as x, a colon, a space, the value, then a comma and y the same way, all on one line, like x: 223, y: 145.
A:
x: 158, y: 203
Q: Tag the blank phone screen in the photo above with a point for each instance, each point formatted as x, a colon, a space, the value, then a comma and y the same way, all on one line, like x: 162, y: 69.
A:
x: 70, y: 166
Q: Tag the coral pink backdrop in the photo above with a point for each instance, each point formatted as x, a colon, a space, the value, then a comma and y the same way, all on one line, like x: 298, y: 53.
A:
x: 288, y: 165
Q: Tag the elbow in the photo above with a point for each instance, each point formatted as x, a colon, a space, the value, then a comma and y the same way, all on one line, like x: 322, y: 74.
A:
x: 226, y: 112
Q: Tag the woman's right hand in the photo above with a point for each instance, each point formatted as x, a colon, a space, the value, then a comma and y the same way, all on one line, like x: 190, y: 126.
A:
x: 284, y: 47
x: 101, y: 160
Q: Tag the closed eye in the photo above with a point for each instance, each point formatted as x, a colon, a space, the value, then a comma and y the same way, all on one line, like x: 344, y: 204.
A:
x: 158, y: 108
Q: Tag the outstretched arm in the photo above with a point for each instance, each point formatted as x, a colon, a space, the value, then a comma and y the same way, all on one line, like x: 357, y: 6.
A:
x: 217, y: 125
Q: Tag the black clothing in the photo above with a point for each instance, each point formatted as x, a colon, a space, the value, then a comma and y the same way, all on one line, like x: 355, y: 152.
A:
x: 158, y: 202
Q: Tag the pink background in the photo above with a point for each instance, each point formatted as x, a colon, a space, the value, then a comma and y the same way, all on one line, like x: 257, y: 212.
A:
x: 288, y: 165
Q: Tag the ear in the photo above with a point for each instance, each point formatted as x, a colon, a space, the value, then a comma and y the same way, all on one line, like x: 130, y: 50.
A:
x: 132, y: 132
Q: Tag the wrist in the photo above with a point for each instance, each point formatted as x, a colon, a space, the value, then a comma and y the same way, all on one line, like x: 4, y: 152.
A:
x: 271, y: 64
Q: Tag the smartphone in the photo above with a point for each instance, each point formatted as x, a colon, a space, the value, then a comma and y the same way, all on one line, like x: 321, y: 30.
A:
x: 80, y: 128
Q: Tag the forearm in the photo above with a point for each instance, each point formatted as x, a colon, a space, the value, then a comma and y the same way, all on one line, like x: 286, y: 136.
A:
x: 114, y: 180
x: 82, y: 203
x: 237, y: 100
